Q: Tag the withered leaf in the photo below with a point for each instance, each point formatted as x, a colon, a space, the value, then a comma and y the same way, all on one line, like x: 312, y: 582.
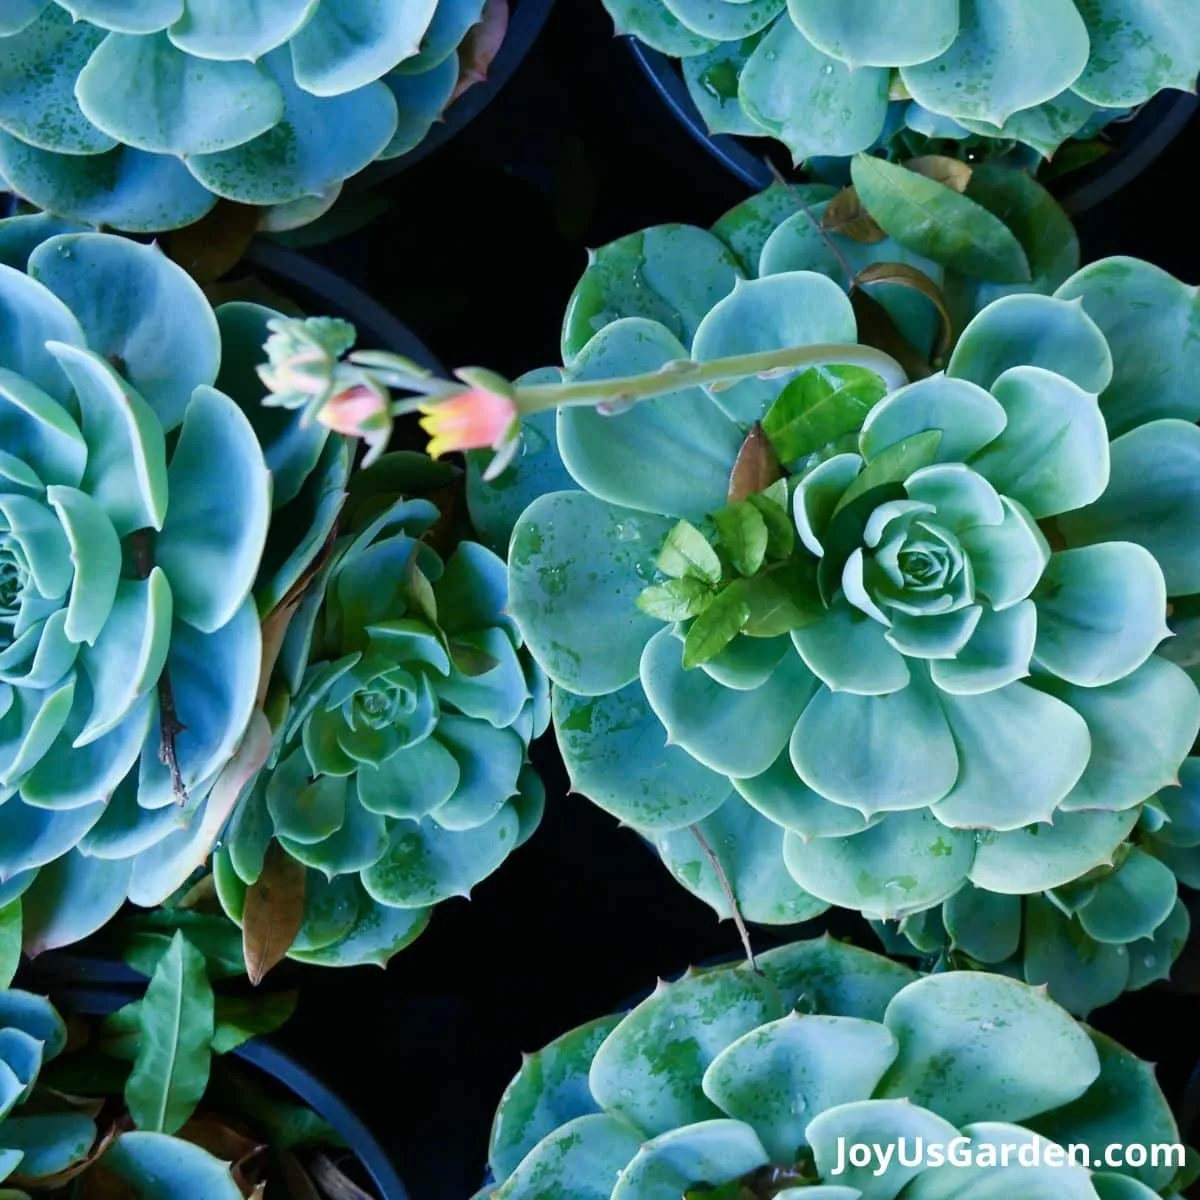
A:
x: 876, y: 328
x: 297, y: 1182
x: 333, y: 1182
x: 274, y: 912
x: 953, y: 172
x: 846, y: 214
x: 756, y: 467
x: 903, y: 275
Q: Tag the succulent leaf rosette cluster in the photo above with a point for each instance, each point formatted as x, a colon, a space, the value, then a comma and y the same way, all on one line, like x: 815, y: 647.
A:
x: 139, y: 115
x: 151, y: 511
x: 890, y: 646
x: 405, y: 705
x: 742, y: 1084
x: 831, y: 80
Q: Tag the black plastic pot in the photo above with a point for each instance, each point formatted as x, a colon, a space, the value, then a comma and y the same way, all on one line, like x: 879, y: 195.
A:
x: 1149, y: 133
x: 272, y: 1062
x: 525, y: 23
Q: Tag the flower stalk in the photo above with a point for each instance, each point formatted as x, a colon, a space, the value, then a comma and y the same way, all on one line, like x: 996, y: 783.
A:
x: 482, y: 410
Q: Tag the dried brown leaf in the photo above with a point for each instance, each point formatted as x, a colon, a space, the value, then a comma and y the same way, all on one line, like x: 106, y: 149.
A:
x: 846, y: 214
x: 876, y: 328
x: 953, y: 172
x: 480, y: 46
x: 756, y: 466
x: 903, y: 275
x: 333, y: 1182
x: 297, y: 1182
x: 274, y: 912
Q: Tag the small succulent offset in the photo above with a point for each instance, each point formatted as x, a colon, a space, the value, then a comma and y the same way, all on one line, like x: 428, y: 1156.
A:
x: 826, y: 636
x: 831, y: 80
x: 742, y: 1085
x: 151, y: 512
x: 403, y: 709
x: 139, y: 115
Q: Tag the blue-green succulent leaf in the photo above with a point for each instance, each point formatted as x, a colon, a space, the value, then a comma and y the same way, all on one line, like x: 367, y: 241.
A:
x: 143, y: 91
x: 1009, y: 55
x: 1053, y: 454
x: 616, y: 754
x: 876, y: 753
x: 583, y: 1156
x: 860, y: 871
x: 1033, y: 331
x: 813, y: 103
x: 1005, y: 779
x: 123, y: 188
x: 1153, y: 499
x: 550, y: 1089
x: 797, y: 308
x: 672, y: 455
x: 707, y: 719
x: 150, y: 318
x: 39, y: 106
x: 564, y: 600
x: 212, y: 540
x: 749, y: 848
x: 713, y: 1151
x: 953, y: 1028
x: 650, y: 1069
x: 775, y: 1077
x: 1047, y: 856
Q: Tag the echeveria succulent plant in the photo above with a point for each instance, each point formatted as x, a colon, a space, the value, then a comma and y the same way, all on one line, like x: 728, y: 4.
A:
x: 405, y: 708
x: 150, y: 513
x: 732, y: 1083
x: 139, y: 115
x: 832, y: 79
x: 867, y: 642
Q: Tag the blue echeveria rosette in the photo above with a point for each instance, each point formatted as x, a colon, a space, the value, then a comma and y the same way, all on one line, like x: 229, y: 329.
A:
x: 152, y: 513
x: 399, y: 775
x: 140, y: 115
x: 966, y: 703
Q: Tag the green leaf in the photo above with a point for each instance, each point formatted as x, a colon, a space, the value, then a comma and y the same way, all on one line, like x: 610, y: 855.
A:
x: 285, y: 1126
x: 782, y: 599
x: 10, y: 941
x: 819, y: 406
x: 676, y: 600
x: 239, y: 1018
x: 686, y: 553
x: 781, y: 533
x: 893, y: 465
x: 743, y: 535
x: 934, y: 220
x: 170, y: 1072
x: 717, y: 625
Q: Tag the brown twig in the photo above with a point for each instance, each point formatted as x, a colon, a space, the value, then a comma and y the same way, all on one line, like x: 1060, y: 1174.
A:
x: 727, y: 888
x: 822, y: 232
x: 170, y: 728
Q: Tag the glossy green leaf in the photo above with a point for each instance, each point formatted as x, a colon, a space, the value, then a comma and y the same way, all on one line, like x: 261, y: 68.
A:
x: 938, y: 222
x: 170, y: 1073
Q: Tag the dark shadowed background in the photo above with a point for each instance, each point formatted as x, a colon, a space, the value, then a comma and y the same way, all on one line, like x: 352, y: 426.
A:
x: 478, y: 253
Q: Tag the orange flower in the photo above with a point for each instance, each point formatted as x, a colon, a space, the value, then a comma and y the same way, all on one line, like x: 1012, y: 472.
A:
x: 472, y: 420
x: 357, y: 411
